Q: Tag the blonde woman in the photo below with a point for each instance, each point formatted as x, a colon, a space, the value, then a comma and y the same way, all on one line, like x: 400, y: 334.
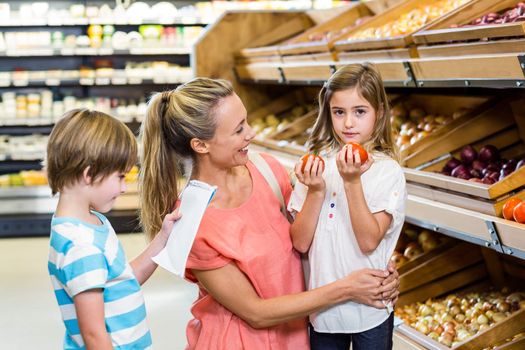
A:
x: 251, y: 290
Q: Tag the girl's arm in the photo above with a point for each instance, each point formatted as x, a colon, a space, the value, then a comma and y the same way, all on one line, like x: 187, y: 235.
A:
x: 369, y: 229
x: 89, y: 306
x: 142, y: 265
x: 230, y: 287
x: 305, y: 223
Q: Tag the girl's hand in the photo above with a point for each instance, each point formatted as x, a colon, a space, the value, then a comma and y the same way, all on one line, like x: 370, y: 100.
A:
x: 349, y: 168
x: 169, y: 220
x: 312, y: 177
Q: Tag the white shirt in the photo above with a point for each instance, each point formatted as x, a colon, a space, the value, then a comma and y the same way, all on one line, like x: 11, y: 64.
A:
x: 334, y: 252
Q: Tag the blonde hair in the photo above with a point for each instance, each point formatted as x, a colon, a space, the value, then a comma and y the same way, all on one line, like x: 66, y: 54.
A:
x: 367, y: 80
x: 84, y: 138
x: 173, y: 119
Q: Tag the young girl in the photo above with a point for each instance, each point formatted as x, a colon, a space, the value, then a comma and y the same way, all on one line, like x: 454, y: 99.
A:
x: 349, y: 216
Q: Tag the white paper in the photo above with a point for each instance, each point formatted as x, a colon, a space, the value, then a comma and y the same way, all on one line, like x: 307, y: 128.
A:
x: 194, y: 200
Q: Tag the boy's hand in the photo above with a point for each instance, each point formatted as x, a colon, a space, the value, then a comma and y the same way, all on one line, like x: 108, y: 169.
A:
x: 312, y: 177
x: 350, y: 167
x: 169, y: 220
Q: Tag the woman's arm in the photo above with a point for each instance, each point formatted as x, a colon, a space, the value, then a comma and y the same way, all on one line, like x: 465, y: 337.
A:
x: 230, y: 287
x: 305, y: 223
x: 142, y: 265
x: 89, y: 306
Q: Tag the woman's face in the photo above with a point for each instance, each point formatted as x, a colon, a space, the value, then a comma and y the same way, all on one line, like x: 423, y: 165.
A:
x: 229, y: 146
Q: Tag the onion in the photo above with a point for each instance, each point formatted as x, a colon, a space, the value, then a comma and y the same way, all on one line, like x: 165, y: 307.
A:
x: 488, y: 180
x: 520, y: 163
x: 488, y: 154
x: 475, y: 173
x: 451, y: 164
x: 461, y: 172
x: 468, y: 155
x: 479, y: 165
x: 510, y: 164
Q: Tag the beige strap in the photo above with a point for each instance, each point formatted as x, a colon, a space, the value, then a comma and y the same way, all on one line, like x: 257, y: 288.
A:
x: 269, y: 176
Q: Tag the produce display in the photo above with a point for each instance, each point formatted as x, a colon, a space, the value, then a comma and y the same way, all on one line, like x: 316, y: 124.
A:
x: 458, y: 317
x: 408, y: 22
x: 332, y: 34
x: 509, y: 15
x: 485, y: 166
x: 272, y: 123
x: 413, y: 124
x: 413, y: 242
x: 39, y: 178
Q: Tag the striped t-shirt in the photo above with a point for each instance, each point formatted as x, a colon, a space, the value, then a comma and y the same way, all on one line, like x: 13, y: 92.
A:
x: 84, y: 256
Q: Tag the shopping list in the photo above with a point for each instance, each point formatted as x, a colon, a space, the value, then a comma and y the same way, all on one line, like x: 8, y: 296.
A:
x: 194, y: 200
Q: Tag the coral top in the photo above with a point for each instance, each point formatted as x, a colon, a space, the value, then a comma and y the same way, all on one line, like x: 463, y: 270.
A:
x: 256, y: 237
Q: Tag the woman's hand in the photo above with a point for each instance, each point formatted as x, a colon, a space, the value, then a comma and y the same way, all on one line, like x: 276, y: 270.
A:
x: 312, y: 177
x: 350, y: 167
x: 366, y: 286
x: 391, y: 283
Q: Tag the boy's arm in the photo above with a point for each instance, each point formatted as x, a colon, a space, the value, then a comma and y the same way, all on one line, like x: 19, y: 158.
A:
x: 89, y: 306
x: 303, y: 228
x: 142, y: 265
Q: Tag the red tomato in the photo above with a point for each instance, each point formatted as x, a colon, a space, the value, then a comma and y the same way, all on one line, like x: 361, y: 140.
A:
x: 362, y: 152
x: 508, y: 208
x: 304, y: 159
x: 519, y: 212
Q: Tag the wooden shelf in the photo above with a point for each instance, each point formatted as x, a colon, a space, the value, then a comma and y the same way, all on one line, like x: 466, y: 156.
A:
x: 499, y: 234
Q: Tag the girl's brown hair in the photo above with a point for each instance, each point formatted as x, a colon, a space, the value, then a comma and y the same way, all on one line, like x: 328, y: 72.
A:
x: 173, y: 119
x: 84, y: 138
x: 367, y: 80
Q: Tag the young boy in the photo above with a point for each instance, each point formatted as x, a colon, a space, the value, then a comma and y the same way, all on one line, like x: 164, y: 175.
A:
x: 97, y: 290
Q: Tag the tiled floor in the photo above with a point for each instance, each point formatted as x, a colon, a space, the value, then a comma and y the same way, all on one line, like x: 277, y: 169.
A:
x: 29, y: 316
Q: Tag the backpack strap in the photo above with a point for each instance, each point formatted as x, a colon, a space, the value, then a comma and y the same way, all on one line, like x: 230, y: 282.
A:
x: 264, y: 168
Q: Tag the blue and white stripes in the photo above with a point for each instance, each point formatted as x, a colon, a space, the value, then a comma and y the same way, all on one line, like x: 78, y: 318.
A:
x: 83, y: 256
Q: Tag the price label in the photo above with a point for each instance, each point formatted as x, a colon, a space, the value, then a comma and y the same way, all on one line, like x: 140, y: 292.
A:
x: 134, y: 81
x: 52, y: 82
x: 67, y: 52
x: 21, y: 82
x: 119, y: 81
x: 102, y: 81
x: 86, y: 81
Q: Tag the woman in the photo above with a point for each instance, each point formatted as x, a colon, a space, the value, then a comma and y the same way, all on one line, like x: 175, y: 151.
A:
x: 251, y: 289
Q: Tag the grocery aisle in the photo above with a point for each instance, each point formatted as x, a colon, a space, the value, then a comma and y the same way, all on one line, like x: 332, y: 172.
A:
x: 29, y: 316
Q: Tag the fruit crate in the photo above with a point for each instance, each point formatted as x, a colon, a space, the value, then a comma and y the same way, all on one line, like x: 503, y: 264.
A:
x: 322, y: 37
x: 501, y: 126
x: 482, y: 11
x: 422, y: 119
x: 397, y: 40
x: 297, y: 109
x: 266, y: 46
x: 476, y: 272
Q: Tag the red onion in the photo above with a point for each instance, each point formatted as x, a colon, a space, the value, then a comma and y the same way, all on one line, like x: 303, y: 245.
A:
x: 461, y: 172
x: 488, y: 154
x: 468, y: 155
x: 451, y: 164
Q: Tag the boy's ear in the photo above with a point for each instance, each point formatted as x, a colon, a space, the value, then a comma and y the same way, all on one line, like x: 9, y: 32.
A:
x: 199, y: 146
x: 86, y: 178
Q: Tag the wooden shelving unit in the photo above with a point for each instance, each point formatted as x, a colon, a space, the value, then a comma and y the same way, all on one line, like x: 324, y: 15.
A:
x: 258, y: 82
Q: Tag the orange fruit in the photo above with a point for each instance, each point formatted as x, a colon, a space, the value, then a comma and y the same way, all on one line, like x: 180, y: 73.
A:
x: 508, y: 208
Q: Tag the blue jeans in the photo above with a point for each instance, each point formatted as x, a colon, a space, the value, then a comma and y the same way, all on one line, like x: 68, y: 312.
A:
x: 377, y: 338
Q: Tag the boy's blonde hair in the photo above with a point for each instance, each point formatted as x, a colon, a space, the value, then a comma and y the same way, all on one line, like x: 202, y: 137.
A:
x: 84, y: 138
x: 173, y: 119
x: 367, y: 80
